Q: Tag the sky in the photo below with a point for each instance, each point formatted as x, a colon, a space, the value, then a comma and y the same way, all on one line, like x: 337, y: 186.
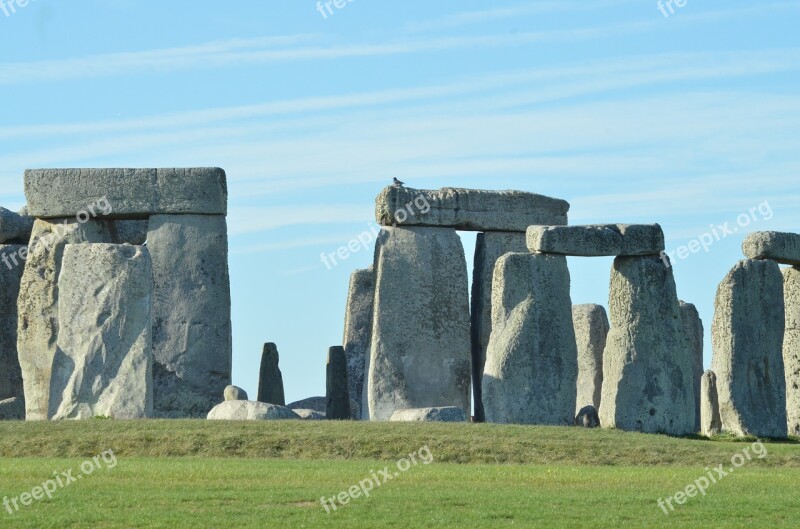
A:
x: 686, y: 116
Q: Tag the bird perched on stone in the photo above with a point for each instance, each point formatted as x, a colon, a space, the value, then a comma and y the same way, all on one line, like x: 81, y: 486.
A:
x: 398, y: 183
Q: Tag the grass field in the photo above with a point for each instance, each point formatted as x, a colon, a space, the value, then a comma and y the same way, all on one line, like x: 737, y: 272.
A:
x: 182, y: 474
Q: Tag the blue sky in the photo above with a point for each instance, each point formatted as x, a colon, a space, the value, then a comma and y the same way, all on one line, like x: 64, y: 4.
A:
x: 689, y: 120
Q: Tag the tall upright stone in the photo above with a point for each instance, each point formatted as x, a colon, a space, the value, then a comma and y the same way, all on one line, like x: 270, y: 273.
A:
x: 531, y: 362
x: 693, y: 327
x: 10, y: 277
x: 647, y: 364
x: 357, y: 337
x: 490, y: 246
x: 270, y: 381
x: 37, y: 332
x: 420, y: 350
x: 591, y: 330
x: 747, y: 335
x: 710, y: 421
x: 337, y: 398
x: 791, y: 347
x: 192, y: 313
x: 103, y: 361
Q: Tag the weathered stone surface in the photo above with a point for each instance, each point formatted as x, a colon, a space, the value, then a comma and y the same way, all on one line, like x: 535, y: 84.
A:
x: 791, y: 347
x: 235, y: 393
x: 311, y: 403
x: 591, y: 330
x: 778, y: 246
x: 248, y: 410
x: 747, y: 336
x: 310, y: 415
x: 531, y: 363
x: 587, y: 417
x: 38, y: 301
x: 468, y: 209
x: 270, y: 382
x: 693, y: 327
x: 103, y: 361
x: 490, y: 246
x: 192, y: 313
x: 129, y: 192
x: 337, y: 403
x: 420, y: 351
x: 357, y: 337
x: 12, y: 409
x: 446, y: 414
x: 14, y: 227
x: 647, y: 364
x: 710, y: 421
x: 10, y: 277
x: 597, y: 240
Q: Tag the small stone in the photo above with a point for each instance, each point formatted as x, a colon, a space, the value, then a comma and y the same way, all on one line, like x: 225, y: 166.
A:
x: 248, y: 410
x: 235, y: 393
x: 444, y: 414
x: 587, y: 417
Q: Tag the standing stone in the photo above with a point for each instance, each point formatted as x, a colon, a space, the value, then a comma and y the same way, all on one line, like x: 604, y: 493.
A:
x: 337, y: 397
x: 647, y: 364
x: 420, y: 351
x: 791, y: 347
x: 531, y: 363
x: 270, y: 382
x: 192, y: 313
x: 10, y: 277
x: 103, y: 362
x: 14, y: 227
x: 747, y: 336
x: 489, y: 248
x: 234, y: 393
x: 37, y: 332
x: 591, y: 330
x: 693, y: 327
x: 12, y: 409
x: 710, y: 421
x: 357, y: 337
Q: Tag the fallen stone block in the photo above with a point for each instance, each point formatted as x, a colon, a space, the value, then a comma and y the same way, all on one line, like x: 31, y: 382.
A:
x: 591, y: 330
x: 420, y: 351
x: 747, y: 335
x: 310, y: 415
x: 777, y: 246
x: 531, y: 363
x: 467, y: 209
x: 647, y: 364
x: 125, y: 193
x: 597, y: 240
x: 490, y: 246
x: 103, y: 361
x: 248, y: 410
x: 311, y: 403
x: 445, y: 414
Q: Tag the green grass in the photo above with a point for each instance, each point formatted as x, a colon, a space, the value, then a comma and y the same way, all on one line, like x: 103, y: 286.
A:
x: 188, y: 474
